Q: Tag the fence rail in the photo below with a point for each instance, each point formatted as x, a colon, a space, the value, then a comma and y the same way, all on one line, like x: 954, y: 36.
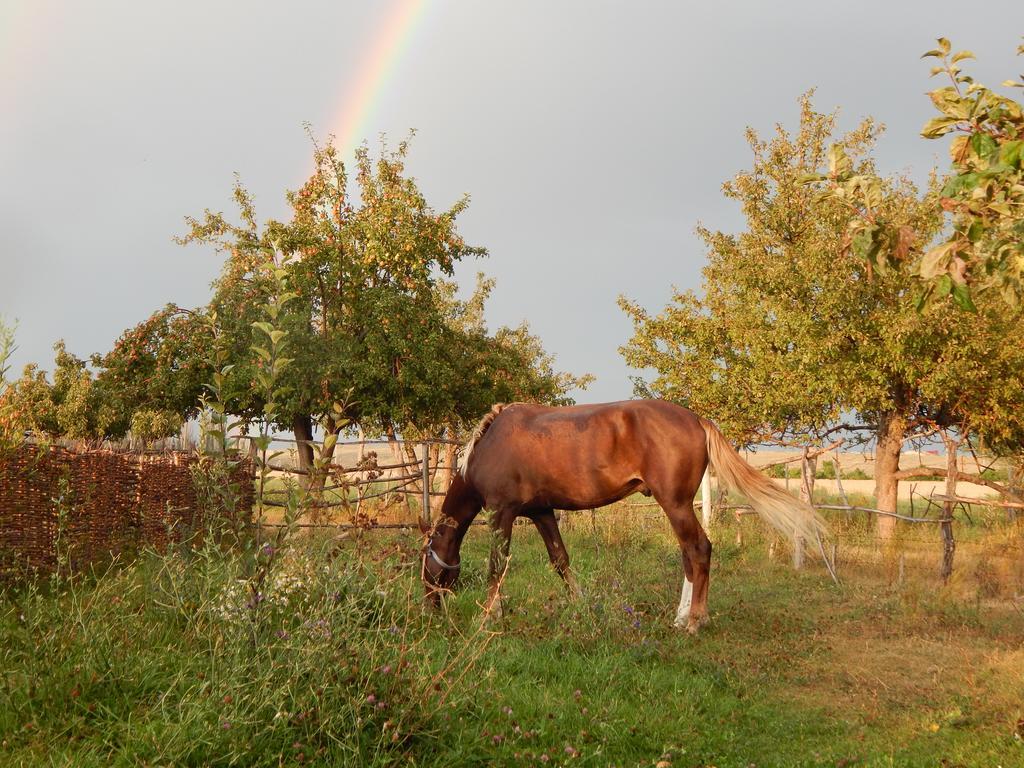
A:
x: 405, y: 489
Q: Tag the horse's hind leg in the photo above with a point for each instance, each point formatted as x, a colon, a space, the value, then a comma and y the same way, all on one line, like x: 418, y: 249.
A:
x: 547, y: 526
x: 501, y: 543
x: 696, y: 555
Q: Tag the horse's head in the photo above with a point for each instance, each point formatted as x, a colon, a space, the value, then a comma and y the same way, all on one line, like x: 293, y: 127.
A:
x: 438, y: 574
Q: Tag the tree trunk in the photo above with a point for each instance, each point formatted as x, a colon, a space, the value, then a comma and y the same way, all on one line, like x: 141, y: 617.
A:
x: 302, y: 426
x: 889, y: 443
x: 839, y: 479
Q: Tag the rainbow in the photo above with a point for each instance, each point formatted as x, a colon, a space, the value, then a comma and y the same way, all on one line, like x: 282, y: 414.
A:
x: 22, y: 28
x: 376, y: 67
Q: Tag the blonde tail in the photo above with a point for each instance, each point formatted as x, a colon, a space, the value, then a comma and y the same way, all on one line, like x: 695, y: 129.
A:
x: 788, y: 515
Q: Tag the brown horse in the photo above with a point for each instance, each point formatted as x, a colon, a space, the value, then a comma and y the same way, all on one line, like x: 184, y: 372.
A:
x: 528, y: 460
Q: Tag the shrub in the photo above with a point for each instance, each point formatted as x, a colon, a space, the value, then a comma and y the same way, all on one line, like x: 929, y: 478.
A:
x: 183, y: 660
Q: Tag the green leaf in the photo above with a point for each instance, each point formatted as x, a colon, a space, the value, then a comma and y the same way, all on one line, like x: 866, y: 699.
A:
x: 965, y: 182
x: 264, y: 326
x: 975, y: 231
x: 984, y: 146
x: 943, y: 286
x: 1011, y: 153
x: 962, y: 297
x: 276, y: 336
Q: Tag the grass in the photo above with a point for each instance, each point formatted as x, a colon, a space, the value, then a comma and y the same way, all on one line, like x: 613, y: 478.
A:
x: 164, y: 662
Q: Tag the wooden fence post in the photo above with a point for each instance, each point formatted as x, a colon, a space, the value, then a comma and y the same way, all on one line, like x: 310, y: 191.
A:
x: 425, y: 510
x: 705, y: 499
x: 948, y: 543
x: 807, y: 469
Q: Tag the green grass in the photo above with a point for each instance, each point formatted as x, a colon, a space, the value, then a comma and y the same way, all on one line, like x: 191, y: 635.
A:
x: 161, y: 663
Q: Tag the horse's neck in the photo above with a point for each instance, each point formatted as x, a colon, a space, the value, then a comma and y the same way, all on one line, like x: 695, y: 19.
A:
x: 458, y: 512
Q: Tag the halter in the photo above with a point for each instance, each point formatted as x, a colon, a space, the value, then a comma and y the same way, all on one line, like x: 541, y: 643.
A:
x: 433, y: 556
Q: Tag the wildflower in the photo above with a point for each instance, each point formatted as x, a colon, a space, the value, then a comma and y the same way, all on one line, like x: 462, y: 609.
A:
x: 371, y: 699
x: 571, y: 751
x: 225, y: 725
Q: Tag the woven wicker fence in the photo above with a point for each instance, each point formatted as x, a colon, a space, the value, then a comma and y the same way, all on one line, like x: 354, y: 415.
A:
x: 93, y: 504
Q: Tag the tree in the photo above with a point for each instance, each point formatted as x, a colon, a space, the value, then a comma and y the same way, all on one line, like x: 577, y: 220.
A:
x: 375, y: 329
x: 75, y: 406
x: 983, y: 250
x: 158, y: 367
x: 798, y: 335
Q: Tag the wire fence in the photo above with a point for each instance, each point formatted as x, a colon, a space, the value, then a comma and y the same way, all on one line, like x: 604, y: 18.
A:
x: 124, y: 499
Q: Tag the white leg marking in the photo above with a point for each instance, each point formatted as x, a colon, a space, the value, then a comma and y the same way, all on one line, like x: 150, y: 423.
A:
x: 685, y: 601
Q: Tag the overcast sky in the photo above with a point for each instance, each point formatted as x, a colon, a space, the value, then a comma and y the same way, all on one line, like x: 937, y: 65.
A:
x: 592, y: 137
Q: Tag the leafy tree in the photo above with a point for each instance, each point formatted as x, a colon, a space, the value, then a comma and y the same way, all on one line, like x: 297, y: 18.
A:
x: 159, y: 366
x: 363, y: 274
x: 798, y: 335
x: 375, y: 327
x: 75, y: 406
x: 983, y: 250
x: 148, y: 425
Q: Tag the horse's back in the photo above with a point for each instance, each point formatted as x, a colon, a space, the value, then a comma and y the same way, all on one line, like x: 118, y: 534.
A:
x: 582, y: 455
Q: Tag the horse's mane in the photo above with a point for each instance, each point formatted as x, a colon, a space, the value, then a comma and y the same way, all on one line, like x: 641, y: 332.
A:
x: 478, y: 432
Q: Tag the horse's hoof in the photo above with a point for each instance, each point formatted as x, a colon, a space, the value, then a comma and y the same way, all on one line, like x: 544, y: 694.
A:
x: 691, y: 624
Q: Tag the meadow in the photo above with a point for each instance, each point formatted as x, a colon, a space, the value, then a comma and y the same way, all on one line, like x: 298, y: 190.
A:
x: 178, y: 659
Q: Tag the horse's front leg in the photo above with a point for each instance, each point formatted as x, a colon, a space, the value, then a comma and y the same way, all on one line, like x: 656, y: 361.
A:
x: 547, y: 526
x: 501, y: 543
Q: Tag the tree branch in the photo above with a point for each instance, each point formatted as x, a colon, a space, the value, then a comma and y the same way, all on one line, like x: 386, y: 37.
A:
x: 926, y: 472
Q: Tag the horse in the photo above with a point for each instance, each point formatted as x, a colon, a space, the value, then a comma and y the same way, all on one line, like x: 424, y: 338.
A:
x: 527, y: 460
